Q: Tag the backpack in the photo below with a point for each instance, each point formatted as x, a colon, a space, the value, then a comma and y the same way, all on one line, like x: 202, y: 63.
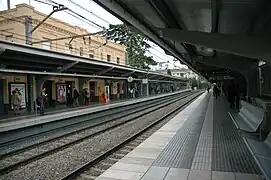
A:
x: 75, y: 94
x: 38, y: 101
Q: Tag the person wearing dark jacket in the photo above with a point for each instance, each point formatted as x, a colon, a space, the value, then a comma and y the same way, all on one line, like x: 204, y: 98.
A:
x: 75, y: 98
x: 42, y: 99
x: 231, y: 94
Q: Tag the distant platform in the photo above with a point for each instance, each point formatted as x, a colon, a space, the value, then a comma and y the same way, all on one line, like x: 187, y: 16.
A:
x: 13, y: 123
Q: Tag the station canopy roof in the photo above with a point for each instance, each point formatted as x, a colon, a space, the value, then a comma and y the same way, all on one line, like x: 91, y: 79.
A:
x: 24, y: 59
x: 207, y: 35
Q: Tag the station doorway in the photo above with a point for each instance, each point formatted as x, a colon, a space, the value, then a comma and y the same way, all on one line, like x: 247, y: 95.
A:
x: 92, y: 92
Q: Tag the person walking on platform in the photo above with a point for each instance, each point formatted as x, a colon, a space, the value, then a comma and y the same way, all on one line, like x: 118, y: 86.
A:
x: 86, y: 96
x: 208, y: 89
x: 231, y: 94
x: 15, y: 102
x: 42, y: 99
x: 75, y: 98
x: 216, y: 91
x: 222, y: 90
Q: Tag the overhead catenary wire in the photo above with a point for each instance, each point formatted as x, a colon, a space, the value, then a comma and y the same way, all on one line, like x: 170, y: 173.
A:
x: 76, y: 15
x: 57, y: 46
x: 78, y: 5
x: 23, y: 22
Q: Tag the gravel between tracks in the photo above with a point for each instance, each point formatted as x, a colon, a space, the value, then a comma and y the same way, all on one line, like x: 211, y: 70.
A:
x: 59, y: 164
x: 59, y: 142
x: 41, y: 138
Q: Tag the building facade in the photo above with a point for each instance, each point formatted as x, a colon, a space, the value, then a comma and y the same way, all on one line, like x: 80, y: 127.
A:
x: 184, y: 73
x: 14, y: 23
x: 13, y: 27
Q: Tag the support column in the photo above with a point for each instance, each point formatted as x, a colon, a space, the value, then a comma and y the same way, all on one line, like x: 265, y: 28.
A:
x: 31, y: 93
x: 147, y: 89
x: 141, y: 89
x: 2, y: 96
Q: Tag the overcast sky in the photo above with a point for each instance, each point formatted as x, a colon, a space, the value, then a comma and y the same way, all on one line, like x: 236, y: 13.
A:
x: 103, y: 20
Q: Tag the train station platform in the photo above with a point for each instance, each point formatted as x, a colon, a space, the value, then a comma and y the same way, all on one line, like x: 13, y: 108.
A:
x: 200, y: 143
x: 12, y: 123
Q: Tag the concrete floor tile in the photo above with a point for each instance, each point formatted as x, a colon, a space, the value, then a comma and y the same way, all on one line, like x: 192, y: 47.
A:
x: 156, y: 173
x: 130, y: 167
x: 122, y: 175
x: 145, y: 153
x: 199, y: 175
x: 177, y: 174
x: 218, y: 175
x: 244, y: 176
x: 104, y: 178
x: 133, y: 160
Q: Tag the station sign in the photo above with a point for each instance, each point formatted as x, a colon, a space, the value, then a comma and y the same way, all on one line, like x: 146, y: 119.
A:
x: 220, y: 78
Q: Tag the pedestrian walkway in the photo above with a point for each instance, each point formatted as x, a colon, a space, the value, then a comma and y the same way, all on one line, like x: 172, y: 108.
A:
x: 200, y: 143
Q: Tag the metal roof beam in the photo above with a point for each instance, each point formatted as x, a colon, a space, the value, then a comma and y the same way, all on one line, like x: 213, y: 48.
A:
x: 128, y: 74
x: 49, y: 74
x: 229, y: 62
x: 105, y: 71
x: 38, y: 53
x: 247, y: 46
x: 68, y: 66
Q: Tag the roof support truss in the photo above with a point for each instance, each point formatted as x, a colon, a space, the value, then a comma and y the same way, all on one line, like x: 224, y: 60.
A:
x: 252, y: 47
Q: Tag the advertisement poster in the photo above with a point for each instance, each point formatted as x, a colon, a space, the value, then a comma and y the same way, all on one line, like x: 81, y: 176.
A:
x: 107, y: 95
x: 21, y: 89
x: 61, y: 93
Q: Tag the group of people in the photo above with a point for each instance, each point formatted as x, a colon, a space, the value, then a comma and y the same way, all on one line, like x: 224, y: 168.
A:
x: 233, y: 93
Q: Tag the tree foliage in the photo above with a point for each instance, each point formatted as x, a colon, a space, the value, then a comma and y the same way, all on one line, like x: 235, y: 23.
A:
x: 136, y: 43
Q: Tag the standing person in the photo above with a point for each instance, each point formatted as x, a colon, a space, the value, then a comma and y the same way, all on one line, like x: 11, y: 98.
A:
x: 42, y: 99
x: 15, y: 102
x: 208, y: 89
x: 75, y: 98
x: 231, y: 94
x: 222, y: 90
x: 86, y: 96
x: 216, y: 91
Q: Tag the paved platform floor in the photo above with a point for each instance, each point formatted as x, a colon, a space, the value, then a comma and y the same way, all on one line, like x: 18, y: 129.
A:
x: 200, y: 143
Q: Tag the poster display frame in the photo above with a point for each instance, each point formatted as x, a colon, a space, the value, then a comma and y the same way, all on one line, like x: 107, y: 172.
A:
x: 57, y: 102
x: 10, y: 92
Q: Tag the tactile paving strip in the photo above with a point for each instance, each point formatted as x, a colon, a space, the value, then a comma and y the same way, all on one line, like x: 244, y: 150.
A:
x: 179, y: 153
x: 230, y: 153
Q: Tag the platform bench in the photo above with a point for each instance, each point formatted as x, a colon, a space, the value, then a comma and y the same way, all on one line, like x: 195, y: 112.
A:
x: 248, y: 118
x: 261, y: 151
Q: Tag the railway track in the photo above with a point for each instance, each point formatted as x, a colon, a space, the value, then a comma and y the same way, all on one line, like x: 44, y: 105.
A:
x: 85, y: 121
x: 98, y: 165
x: 20, y: 157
